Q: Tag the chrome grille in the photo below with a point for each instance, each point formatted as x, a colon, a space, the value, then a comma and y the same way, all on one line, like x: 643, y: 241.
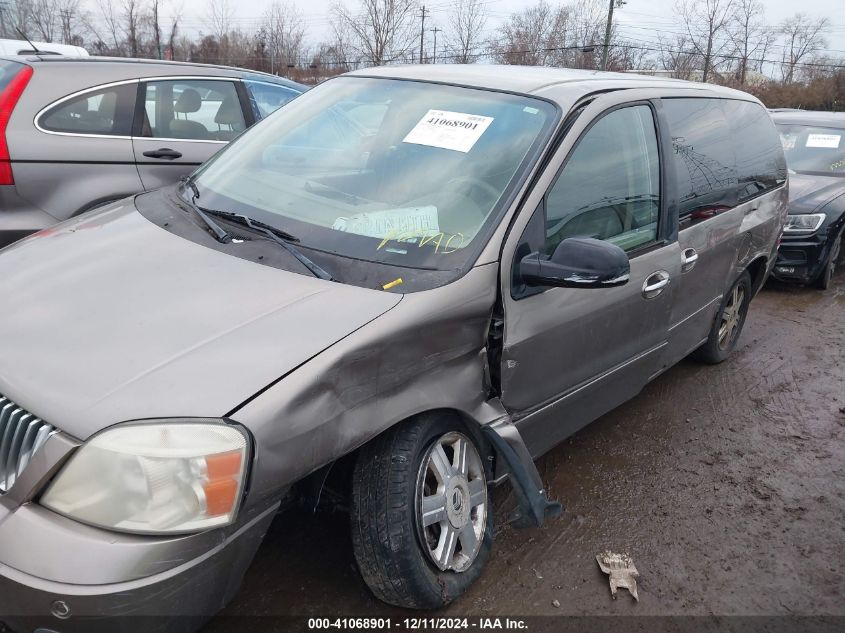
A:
x: 21, y: 434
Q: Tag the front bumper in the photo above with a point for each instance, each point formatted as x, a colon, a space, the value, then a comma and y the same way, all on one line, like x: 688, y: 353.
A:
x: 801, y: 257
x: 177, y: 600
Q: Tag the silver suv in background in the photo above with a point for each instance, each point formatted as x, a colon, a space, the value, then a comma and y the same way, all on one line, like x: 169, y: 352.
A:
x: 76, y: 133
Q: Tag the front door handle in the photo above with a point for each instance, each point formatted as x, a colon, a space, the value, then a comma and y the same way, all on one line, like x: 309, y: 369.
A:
x: 688, y: 259
x: 655, y: 283
x: 164, y: 152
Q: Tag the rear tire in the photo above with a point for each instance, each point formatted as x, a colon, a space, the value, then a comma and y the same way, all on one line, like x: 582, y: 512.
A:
x: 403, y: 513
x: 727, y: 326
x: 825, y: 278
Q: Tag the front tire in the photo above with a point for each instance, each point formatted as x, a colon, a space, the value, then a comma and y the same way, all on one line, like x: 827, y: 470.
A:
x: 421, y: 516
x: 727, y: 326
x: 825, y: 278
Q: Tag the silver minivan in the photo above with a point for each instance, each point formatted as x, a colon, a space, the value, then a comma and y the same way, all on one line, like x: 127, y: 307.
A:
x: 414, y: 307
x: 79, y: 132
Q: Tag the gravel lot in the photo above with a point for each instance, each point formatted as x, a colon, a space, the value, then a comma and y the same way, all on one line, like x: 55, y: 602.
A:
x: 725, y: 484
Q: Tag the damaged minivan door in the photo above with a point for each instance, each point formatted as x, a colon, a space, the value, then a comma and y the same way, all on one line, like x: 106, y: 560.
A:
x: 406, y: 284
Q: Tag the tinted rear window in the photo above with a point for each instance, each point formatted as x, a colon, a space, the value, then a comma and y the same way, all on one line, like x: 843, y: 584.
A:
x: 760, y: 163
x: 8, y: 70
x: 703, y: 156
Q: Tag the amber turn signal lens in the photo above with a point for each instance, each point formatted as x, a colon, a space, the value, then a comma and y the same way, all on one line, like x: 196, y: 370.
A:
x: 220, y: 496
x: 223, y: 465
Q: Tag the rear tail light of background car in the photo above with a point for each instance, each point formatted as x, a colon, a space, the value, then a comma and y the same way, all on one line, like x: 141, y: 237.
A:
x: 8, y: 100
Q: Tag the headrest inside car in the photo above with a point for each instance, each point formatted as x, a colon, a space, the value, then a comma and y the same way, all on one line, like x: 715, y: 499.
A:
x: 188, y: 101
x: 229, y: 112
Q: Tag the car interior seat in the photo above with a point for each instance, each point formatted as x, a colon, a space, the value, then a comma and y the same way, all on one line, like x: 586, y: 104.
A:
x: 189, y: 101
x: 229, y: 115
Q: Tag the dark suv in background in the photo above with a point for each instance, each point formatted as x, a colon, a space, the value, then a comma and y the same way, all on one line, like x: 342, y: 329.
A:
x: 76, y: 133
x: 814, y: 144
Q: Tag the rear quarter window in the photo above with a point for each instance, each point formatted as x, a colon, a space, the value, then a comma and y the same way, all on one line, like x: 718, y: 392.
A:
x: 107, y: 111
x: 703, y: 156
x: 760, y: 163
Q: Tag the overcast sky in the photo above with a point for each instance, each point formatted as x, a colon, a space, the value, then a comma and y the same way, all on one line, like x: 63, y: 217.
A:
x: 638, y: 19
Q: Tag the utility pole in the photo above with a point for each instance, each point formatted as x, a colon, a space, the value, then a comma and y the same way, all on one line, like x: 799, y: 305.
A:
x: 618, y: 3
x: 423, y: 13
x: 435, y: 30
x: 65, y: 15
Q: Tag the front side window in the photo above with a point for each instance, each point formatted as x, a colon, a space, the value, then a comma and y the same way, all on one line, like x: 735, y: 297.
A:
x: 813, y: 149
x: 609, y: 188
x: 397, y: 172
x: 703, y: 157
x: 107, y: 111
x: 192, y: 109
x: 268, y: 97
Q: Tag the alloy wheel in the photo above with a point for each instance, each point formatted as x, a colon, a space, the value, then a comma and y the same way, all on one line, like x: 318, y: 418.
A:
x: 452, y: 502
x: 731, y: 317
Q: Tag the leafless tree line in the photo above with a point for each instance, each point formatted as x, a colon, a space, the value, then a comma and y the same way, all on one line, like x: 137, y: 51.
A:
x: 729, y: 41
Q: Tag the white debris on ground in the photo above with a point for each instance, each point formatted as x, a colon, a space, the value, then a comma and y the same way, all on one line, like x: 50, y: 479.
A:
x: 621, y: 571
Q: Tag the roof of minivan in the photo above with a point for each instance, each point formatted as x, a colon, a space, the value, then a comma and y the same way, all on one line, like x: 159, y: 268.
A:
x: 534, y: 79
x: 809, y: 117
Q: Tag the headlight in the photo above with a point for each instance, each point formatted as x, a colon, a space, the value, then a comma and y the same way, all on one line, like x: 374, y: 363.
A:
x: 804, y: 223
x: 154, y: 478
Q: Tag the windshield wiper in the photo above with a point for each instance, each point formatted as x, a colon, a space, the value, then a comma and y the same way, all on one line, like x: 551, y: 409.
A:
x: 221, y: 234
x: 282, y: 238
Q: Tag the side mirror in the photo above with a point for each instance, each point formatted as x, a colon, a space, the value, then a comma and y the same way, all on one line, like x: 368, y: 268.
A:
x: 578, y: 262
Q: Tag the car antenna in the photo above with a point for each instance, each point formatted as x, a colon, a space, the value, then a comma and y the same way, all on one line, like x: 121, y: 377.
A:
x: 28, y: 41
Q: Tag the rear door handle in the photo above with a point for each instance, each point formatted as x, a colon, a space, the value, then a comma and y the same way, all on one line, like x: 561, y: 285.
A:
x: 688, y: 259
x: 655, y: 283
x: 164, y: 152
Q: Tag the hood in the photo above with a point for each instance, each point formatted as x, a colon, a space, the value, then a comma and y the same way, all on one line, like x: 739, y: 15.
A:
x: 111, y: 318
x: 808, y: 193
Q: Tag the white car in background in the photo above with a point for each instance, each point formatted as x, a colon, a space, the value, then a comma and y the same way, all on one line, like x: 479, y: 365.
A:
x: 24, y: 47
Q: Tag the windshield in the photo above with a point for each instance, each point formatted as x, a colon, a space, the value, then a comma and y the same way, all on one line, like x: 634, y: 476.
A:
x: 399, y: 172
x: 814, y: 150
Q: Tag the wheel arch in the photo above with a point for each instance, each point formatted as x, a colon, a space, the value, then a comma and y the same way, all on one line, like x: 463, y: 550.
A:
x: 757, y: 270
x: 309, y: 490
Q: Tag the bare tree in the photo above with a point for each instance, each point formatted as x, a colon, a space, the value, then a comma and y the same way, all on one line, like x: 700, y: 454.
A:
x: 586, y: 24
x: 336, y: 56
x: 219, y: 18
x: 171, y: 39
x: 131, y: 26
x: 750, y: 36
x: 52, y: 19
x: 108, y: 30
x: 675, y: 57
x: 624, y: 55
x: 705, y: 23
x: 381, y: 29
x: 283, y: 27
x: 467, y: 19
x: 803, y: 37
x: 531, y: 36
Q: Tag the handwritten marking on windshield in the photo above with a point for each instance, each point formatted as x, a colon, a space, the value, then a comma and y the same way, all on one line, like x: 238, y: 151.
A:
x: 425, y: 238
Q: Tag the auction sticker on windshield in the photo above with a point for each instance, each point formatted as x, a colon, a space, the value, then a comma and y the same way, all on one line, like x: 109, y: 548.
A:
x: 416, y: 220
x: 449, y: 130
x: 823, y: 140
